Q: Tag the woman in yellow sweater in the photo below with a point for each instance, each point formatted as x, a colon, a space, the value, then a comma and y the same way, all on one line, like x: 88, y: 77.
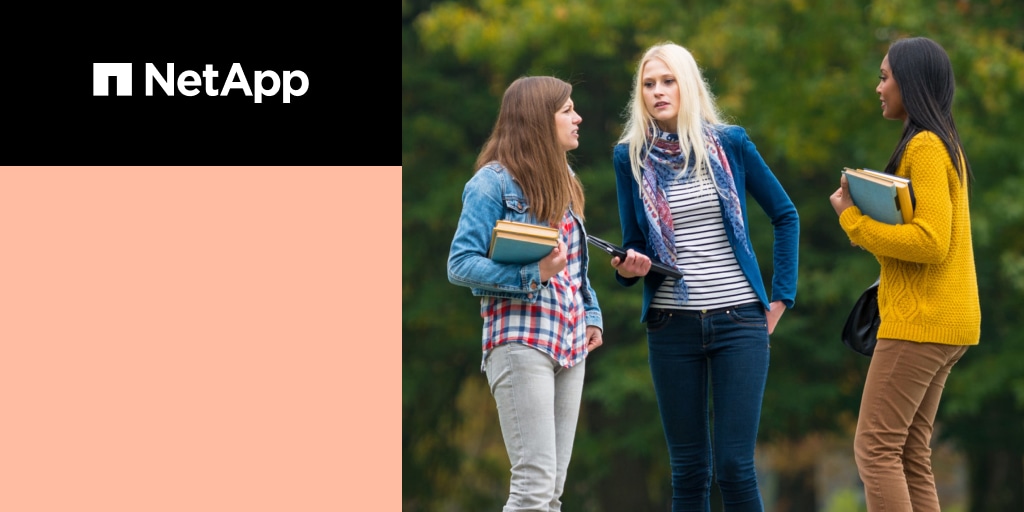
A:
x: 928, y: 293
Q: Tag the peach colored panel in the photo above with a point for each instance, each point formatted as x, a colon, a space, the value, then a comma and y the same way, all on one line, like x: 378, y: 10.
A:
x: 200, y: 339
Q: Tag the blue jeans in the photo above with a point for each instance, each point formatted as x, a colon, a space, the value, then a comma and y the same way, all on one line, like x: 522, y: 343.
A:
x: 726, y: 350
x: 538, y: 407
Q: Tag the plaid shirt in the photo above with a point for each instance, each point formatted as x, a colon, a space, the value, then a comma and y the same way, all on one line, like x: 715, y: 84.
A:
x: 556, y: 323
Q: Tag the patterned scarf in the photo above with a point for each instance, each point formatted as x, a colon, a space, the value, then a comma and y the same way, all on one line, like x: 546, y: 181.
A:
x: 663, y: 166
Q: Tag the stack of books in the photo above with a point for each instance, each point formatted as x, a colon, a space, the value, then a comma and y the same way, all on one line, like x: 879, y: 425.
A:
x: 521, y: 243
x: 884, y: 197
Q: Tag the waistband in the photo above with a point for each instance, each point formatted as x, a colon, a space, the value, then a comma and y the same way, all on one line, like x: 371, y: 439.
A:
x: 698, y: 313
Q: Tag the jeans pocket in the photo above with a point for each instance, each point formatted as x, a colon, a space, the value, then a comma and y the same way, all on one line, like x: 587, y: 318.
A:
x: 751, y: 314
x: 657, y: 320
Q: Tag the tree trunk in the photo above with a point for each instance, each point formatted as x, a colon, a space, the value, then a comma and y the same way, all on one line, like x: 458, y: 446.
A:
x: 796, y: 491
x: 627, y: 490
x: 996, y: 480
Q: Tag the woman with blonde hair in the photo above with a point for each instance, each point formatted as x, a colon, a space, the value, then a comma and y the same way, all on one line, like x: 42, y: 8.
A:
x: 540, y: 319
x: 683, y: 177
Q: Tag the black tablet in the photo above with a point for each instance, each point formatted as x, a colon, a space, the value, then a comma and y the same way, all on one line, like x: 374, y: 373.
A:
x: 615, y: 250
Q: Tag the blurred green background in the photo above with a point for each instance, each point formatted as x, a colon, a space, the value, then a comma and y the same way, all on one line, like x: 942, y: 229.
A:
x: 799, y: 75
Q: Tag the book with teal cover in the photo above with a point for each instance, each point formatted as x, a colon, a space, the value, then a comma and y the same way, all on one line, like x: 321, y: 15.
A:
x: 512, y: 250
x: 521, y: 243
x: 876, y: 199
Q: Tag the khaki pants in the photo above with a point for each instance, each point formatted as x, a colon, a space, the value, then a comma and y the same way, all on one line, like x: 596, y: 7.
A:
x: 894, y: 428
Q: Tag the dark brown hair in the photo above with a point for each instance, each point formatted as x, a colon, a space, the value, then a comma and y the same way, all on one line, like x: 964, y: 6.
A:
x: 924, y: 75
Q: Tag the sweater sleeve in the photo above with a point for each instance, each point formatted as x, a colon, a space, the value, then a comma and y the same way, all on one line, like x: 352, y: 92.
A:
x: 926, y: 239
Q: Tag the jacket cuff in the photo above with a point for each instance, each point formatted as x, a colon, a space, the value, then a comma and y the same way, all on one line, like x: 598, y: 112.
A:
x: 532, y: 285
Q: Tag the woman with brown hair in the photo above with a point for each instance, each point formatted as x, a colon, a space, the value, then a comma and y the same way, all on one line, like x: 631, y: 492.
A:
x: 541, y: 319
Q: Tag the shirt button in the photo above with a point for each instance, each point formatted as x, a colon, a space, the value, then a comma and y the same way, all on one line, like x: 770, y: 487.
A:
x: 533, y: 285
x: 529, y: 295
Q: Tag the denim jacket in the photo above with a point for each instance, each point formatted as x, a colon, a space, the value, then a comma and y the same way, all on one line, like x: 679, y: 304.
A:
x: 492, y: 194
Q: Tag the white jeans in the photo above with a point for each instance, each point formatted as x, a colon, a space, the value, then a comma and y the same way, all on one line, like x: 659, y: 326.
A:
x: 538, y: 406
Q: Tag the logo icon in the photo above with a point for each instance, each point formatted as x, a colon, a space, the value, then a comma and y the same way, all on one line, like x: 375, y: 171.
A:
x: 101, y: 73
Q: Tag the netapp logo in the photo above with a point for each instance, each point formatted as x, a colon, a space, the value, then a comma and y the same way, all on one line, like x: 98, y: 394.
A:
x: 189, y: 82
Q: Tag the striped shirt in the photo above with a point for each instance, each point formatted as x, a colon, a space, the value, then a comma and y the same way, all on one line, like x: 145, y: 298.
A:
x: 703, y: 253
x: 555, y: 324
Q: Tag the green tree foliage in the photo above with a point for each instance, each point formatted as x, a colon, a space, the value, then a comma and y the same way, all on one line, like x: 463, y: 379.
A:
x: 799, y: 75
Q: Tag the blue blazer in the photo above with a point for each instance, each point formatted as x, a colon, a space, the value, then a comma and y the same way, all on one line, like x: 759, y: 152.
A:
x: 753, y: 177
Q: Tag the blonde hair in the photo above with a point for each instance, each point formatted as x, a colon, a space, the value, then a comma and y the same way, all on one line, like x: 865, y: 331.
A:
x: 696, y: 107
x: 525, y: 142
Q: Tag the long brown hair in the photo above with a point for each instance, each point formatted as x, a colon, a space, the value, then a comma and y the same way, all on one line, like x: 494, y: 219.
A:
x: 524, y: 140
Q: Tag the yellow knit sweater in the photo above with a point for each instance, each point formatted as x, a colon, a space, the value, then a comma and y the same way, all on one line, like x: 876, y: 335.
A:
x: 928, y: 290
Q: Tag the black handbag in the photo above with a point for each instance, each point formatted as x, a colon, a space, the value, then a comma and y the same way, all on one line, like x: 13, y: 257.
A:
x: 861, y: 330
